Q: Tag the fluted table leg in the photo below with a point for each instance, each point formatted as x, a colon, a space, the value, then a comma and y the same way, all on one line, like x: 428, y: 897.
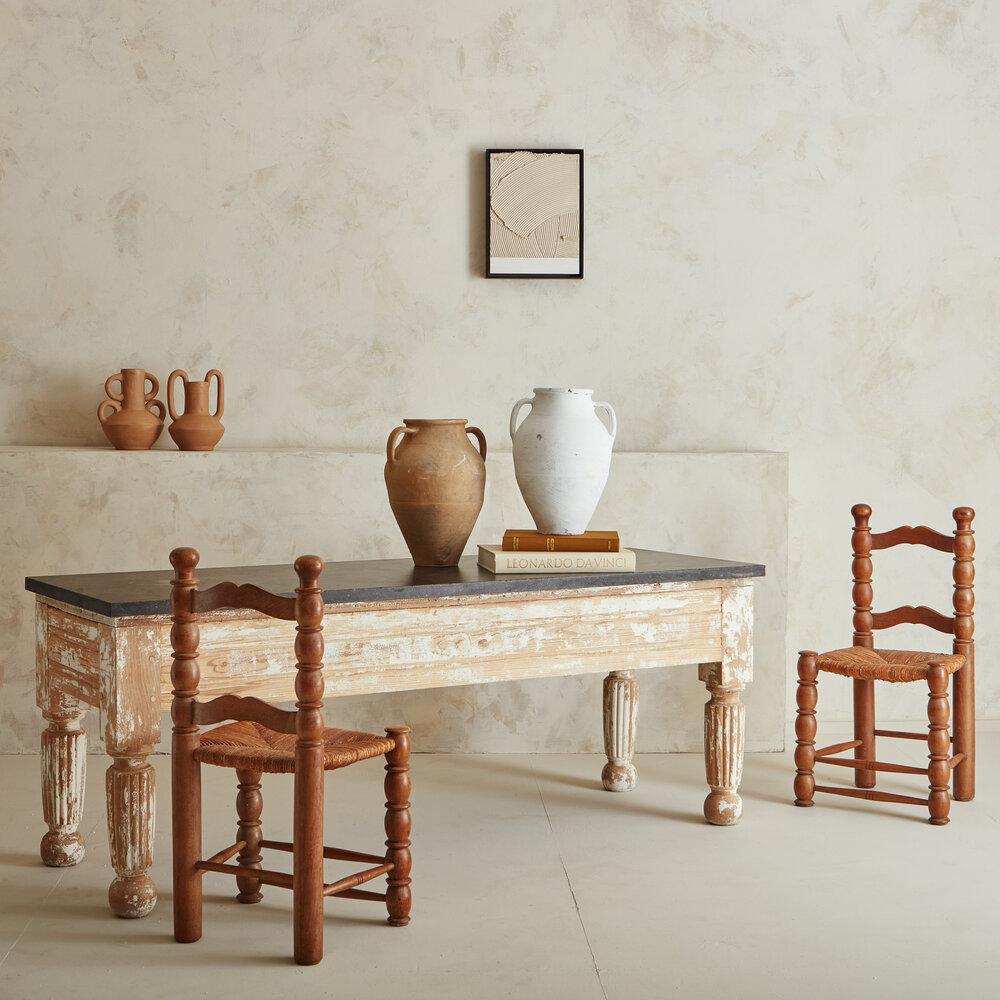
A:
x: 63, y: 757
x: 621, y: 710
x: 725, y: 718
x: 131, y: 797
x: 130, y: 685
x: 725, y: 715
x: 64, y: 772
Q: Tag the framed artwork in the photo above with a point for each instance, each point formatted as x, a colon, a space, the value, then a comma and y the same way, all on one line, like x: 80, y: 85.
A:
x: 534, y: 213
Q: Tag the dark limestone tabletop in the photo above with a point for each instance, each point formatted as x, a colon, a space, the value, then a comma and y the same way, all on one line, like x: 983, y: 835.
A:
x: 121, y: 595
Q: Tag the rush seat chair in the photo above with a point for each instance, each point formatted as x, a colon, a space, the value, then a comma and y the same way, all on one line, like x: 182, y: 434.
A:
x: 264, y: 738
x: 865, y: 664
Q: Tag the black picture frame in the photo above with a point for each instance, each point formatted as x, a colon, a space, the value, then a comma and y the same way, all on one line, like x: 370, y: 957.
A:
x: 525, y: 149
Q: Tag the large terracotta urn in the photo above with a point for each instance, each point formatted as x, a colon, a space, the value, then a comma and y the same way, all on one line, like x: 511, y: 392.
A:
x: 436, y: 480
x: 562, y: 454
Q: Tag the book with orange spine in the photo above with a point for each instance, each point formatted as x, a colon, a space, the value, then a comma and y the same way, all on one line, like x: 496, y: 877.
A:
x: 519, y: 540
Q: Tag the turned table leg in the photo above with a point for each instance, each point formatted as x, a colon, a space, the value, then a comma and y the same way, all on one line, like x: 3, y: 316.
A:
x: 63, y: 757
x: 130, y: 690
x: 724, y: 730
x: 621, y: 710
x: 131, y: 797
x: 725, y: 714
x: 64, y: 772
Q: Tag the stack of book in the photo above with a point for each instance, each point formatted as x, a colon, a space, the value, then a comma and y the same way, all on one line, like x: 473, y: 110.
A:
x: 533, y: 552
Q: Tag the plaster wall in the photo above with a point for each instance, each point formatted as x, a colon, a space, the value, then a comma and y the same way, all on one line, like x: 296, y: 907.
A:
x: 792, y: 237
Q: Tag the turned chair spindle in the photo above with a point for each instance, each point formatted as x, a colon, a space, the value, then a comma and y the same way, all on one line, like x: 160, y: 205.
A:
x: 263, y: 738
x: 865, y: 664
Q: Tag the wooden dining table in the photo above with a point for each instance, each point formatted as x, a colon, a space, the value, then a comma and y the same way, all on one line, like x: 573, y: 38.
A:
x: 103, y: 641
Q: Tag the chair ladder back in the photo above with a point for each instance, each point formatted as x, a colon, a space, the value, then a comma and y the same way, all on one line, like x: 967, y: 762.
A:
x: 908, y: 535
x: 245, y: 596
x: 961, y: 544
x: 187, y: 603
x: 231, y: 707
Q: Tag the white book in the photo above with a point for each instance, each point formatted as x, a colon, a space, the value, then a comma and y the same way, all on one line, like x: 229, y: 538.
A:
x: 495, y: 560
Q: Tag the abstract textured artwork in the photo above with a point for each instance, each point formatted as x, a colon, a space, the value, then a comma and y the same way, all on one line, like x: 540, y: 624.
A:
x: 534, y: 213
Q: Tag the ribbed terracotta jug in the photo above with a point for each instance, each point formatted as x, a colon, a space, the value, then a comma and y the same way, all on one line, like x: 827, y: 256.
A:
x: 436, y: 480
x: 136, y: 416
x: 196, y: 429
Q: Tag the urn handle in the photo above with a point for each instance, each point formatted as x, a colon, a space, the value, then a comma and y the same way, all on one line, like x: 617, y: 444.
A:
x: 395, y: 436
x: 516, y: 410
x: 157, y: 409
x: 114, y: 404
x: 609, y: 409
x: 220, y: 396
x: 480, y: 437
x: 177, y: 373
x: 153, y: 392
x: 111, y: 394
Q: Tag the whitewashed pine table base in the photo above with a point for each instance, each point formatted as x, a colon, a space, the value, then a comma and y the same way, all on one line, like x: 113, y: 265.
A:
x: 121, y: 666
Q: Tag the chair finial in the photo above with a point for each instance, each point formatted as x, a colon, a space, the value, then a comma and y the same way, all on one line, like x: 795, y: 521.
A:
x: 309, y: 569
x: 963, y: 517
x: 185, y: 561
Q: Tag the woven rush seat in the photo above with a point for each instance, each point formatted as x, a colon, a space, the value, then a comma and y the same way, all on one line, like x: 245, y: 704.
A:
x: 251, y: 746
x: 895, y: 665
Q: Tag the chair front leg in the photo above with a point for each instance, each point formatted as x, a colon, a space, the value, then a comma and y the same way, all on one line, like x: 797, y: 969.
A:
x: 938, y: 743
x: 805, y: 730
x: 398, y: 898
x: 249, y: 805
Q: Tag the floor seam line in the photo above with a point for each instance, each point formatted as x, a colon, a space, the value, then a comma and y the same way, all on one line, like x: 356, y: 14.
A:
x: 31, y: 920
x: 569, y: 884
x: 45, y: 898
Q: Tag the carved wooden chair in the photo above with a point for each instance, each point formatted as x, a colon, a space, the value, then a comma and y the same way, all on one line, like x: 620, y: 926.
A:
x: 265, y: 738
x: 865, y: 664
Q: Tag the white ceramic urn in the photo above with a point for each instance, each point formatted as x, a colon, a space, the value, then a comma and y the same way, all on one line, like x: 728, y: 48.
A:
x: 562, y: 453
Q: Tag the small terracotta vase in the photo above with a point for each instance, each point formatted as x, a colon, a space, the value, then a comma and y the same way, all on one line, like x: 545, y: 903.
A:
x: 133, y: 423
x: 196, y: 429
x: 436, y: 480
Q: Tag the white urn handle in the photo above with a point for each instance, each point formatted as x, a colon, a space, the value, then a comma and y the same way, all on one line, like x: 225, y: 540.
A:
x: 516, y: 410
x: 609, y: 409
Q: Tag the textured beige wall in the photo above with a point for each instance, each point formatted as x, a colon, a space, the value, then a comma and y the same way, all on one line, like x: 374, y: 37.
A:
x: 127, y: 510
x: 792, y: 234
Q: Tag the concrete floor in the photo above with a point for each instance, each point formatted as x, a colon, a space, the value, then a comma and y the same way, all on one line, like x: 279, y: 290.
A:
x: 531, y: 882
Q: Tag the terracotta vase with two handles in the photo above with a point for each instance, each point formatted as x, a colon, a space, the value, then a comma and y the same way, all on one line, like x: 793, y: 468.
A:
x: 196, y: 428
x: 436, y: 481
x: 131, y: 417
